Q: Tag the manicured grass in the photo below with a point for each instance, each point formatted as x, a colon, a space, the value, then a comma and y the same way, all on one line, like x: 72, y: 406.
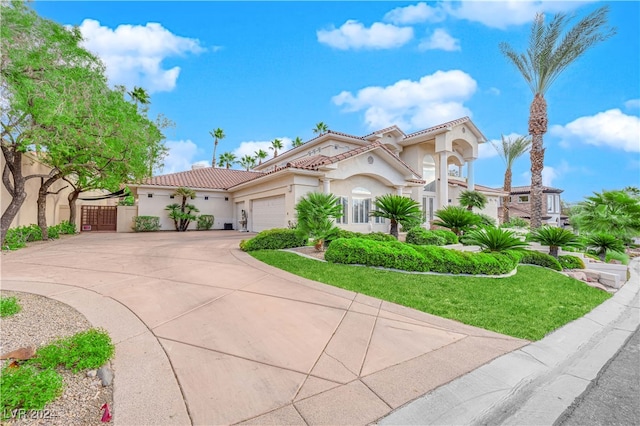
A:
x: 9, y: 306
x: 527, y: 305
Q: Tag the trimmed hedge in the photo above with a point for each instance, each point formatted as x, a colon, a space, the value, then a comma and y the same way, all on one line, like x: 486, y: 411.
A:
x: 570, y: 262
x: 541, y: 259
x: 374, y: 236
x: 407, y: 257
x: 422, y: 237
x: 274, y: 239
x: 146, y: 223
x: 449, y: 236
x: 205, y: 222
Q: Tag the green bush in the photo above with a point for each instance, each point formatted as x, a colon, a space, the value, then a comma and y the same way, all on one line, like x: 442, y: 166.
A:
x: 274, y: 239
x: 87, y: 349
x: 205, y: 222
x: 614, y: 255
x: 18, y: 237
x: 448, y: 261
x: 146, y: 223
x: 515, y: 222
x: 530, y: 257
x: 375, y: 236
x: 67, y: 228
x: 450, y: 237
x: 486, y: 220
x: 570, y: 262
x: 387, y: 254
x: 422, y: 237
x: 53, y: 232
x: 27, y: 388
x: 495, y: 239
x: 9, y: 306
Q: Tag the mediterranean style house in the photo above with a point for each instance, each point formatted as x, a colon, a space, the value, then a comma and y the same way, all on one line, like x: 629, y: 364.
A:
x: 520, y: 205
x: 355, y: 168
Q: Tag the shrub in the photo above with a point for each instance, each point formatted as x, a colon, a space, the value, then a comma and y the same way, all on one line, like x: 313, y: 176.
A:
x: 449, y: 236
x: 315, y: 213
x: 387, y: 254
x: 18, y: 237
x: 494, y: 239
x: 570, y: 262
x: 620, y: 257
x: 87, y: 349
x: 602, y: 243
x: 530, y: 257
x: 27, y: 388
x: 53, y: 232
x: 555, y: 238
x: 456, y: 218
x: 146, y: 223
x: 422, y: 237
x: 274, y: 239
x: 397, y: 209
x: 486, y: 220
x: 444, y: 260
x: 375, y: 236
x: 67, y: 228
x: 9, y: 306
x: 515, y: 222
x: 205, y: 222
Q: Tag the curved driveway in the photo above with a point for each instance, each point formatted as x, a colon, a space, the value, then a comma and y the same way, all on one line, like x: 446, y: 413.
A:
x: 245, y: 342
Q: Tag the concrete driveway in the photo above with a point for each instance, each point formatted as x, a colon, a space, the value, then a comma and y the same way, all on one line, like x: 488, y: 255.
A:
x: 242, y: 341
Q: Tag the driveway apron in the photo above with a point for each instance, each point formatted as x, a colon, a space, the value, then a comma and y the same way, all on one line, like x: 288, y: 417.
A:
x: 249, y: 343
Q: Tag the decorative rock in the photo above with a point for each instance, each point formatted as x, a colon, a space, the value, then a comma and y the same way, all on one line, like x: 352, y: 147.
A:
x: 577, y: 275
x: 105, y: 375
x: 92, y: 373
x: 20, y: 354
x: 597, y: 285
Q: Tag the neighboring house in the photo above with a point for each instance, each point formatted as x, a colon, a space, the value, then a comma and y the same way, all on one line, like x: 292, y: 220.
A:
x: 520, y: 205
x: 494, y: 197
x: 355, y: 168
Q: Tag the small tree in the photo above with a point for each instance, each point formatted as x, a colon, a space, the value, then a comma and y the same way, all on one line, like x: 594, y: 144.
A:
x: 456, y: 218
x: 216, y: 134
x: 612, y: 212
x: 321, y: 128
x: 397, y: 209
x: 315, y: 213
x: 297, y: 142
x: 510, y: 151
x: 555, y: 238
x: 183, y: 213
x: 602, y: 242
x: 276, y: 144
x: 247, y: 162
x: 472, y: 199
x: 261, y: 154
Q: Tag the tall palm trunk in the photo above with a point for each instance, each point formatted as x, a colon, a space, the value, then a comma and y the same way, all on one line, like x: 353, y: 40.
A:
x: 505, y: 200
x: 537, y: 128
x: 215, y: 148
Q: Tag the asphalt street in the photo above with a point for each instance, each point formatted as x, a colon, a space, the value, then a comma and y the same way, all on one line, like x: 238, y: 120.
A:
x: 614, y: 397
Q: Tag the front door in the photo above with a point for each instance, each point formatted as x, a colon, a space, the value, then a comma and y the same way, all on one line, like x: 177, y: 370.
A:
x: 99, y: 218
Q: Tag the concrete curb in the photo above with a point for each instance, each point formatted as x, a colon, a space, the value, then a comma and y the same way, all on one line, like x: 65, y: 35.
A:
x: 537, y: 383
x: 146, y: 390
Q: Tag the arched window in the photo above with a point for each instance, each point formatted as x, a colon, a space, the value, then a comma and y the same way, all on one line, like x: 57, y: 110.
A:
x: 429, y: 173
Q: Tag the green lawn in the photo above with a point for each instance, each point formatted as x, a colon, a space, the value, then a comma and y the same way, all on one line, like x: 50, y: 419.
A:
x: 527, y: 305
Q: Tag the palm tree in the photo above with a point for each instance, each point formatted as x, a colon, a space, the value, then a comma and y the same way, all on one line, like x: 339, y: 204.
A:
x: 216, y: 135
x: 182, y: 214
x: 456, y: 218
x: 139, y: 96
x: 614, y: 212
x: 276, y: 144
x: 261, y: 154
x: 472, y: 199
x: 227, y: 159
x: 321, y: 128
x: 602, y: 242
x: 495, y: 239
x: 248, y: 162
x: 297, y: 142
x: 396, y: 208
x: 549, y: 53
x: 510, y: 151
x: 555, y: 238
x: 315, y: 213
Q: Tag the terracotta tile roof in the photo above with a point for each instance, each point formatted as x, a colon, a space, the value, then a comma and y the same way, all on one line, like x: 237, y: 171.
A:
x: 439, y: 127
x: 515, y: 210
x: 207, y: 177
x: 386, y: 129
x: 527, y: 190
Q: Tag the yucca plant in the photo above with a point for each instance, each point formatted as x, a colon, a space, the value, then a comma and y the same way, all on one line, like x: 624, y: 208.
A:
x: 397, y: 209
x: 601, y: 243
x: 315, y: 212
x: 555, y: 238
x: 456, y: 218
x: 495, y: 239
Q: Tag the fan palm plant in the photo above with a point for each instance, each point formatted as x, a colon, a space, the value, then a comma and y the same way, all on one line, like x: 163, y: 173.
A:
x: 276, y: 144
x: 456, y: 218
x: 601, y: 243
x: 614, y: 212
x: 551, y: 50
x: 397, y: 209
x: 227, y: 159
x: 555, y: 238
x: 183, y: 213
x: 495, y: 239
x: 321, y: 128
x: 247, y: 162
x: 216, y: 134
x: 261, y: 154
x: 315, y: 213
x: 510, y: 151
x: 297, y: 142
x: 472, y: 199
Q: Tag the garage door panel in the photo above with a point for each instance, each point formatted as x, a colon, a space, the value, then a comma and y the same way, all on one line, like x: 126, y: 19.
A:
x: 268, y: 213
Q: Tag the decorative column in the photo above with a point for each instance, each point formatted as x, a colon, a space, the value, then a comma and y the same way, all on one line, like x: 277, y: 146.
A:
x: 443, y: 184
x: 470, y: 183
x: 399, y: 189
x: 326, y: 186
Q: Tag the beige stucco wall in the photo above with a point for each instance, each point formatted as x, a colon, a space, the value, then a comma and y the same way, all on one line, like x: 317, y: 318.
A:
x: 125, y: 218
x: 491, y: 209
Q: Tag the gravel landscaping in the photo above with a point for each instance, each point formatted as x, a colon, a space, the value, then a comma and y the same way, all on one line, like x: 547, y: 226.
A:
x: 40, y: 321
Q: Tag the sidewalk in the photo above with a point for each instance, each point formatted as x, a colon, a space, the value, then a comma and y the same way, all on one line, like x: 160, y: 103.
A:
x: 537, y: 383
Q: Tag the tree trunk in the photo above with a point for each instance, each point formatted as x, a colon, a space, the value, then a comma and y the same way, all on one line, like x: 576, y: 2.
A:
x: 394, y: 228
x: 603, y: 255
x: 470, y: 208
x: 537, y: 128
x: 505, y: 200
x: 14, y: 182
x: 553, y: 251
x: 215, y: 148
x: 73, y: 197
x: 42, y: 203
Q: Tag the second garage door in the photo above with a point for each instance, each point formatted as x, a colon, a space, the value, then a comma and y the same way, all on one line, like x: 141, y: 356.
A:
x: 268, y: 213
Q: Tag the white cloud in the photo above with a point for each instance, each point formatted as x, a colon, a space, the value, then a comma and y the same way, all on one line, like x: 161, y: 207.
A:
x: 415, y: 13
x: 611, y: 128
x: 494, y: 91
x: 486, y: 150
x: 551, y: 173
x: 434, y: 99
x: 181, y: 156
x: 250, y: 147
x: 440, y: 40
x: 353, y: 35
x: 503, y: 14
x: 632, y: 104
x: 133, y: 54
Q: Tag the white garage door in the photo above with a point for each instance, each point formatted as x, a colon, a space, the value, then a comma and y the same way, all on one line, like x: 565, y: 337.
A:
x: 268, y: 213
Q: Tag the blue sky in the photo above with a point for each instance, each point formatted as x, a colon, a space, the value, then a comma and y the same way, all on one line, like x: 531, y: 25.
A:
x: 266, y: 70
